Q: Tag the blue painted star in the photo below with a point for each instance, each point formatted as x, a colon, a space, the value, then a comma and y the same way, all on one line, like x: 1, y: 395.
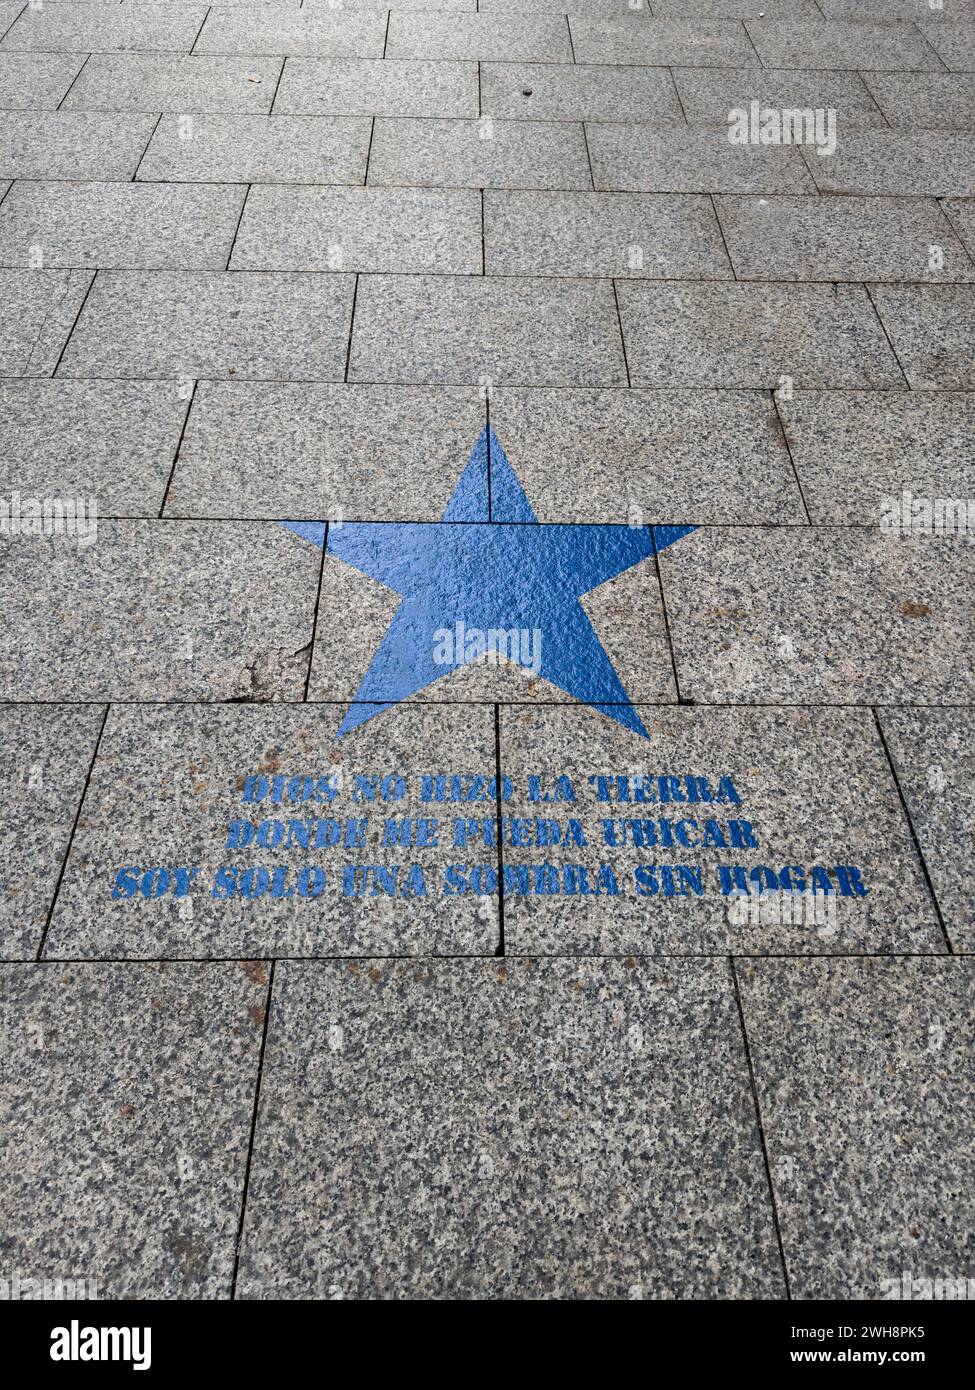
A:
x: 490, y: 576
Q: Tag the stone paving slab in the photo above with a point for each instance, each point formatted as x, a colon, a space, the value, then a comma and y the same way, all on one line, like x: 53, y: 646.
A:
x: 941, y: 101
x: 861, y: 1068
x: 397, y: 230
x: 630, y: 235
x: 476, y: 154
x: 37, y: 311
x: 123, y: 1167
x: 953, y: 43
x: 736, y: 9
x: 766, y: 616
x: 153, y: 82
x: 457, y: 332
x: 820, y: 43
x: 158, y: 611
x: 646, y: 457
x: 751, y: 335
x: 45, y: 755
x: 896, y: 9
x: 113, y: 441
x: 120, y: 225
x: 479, y: 38
x: 308, y: 452
x: 72, y: 145
x: 259, y: 149
x: 280, y: 878
x: 100, y: 28
x: 903, y: 162
x: 709, y: 43
x: 708, y: 94
x: 841, y: 239
x: 637, y: 157
x: 373, y: 87
x: 932, y: 753
x: 184, y: 325
x: 599, y: 1060
x: 961, y: 213
x: 311, y: 33
x: 647, y: 861
x: 36, y: 81
x: 930, y: 327
x: 857, y: 452
x: 579, y: 92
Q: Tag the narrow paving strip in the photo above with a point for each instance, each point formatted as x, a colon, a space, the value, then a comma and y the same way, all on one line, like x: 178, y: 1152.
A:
x: 487, y: 498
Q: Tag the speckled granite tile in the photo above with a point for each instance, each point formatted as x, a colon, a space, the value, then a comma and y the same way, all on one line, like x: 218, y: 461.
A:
x: 601, y: 1060
x: 735, y: 9
x: 37, y: 311
x: 752, y: 335
x: 45, y: 754
x: 288, y: 876
x: 152, y: 82
x: 930, y: 327
x: 377, y: 87
x: 841, y: 239
x: 309, y: 452
x: 749, y: 831
x: 708, y: 94
x: 258, y: 149
x: 847, y: 615
x: 594, y: 8
x: 865, y: 1087
x: 915, y: 162
x: 127, y: 1103
x: 646, y: 457
x: 961, y: 214
x: 184, y: 325
x: 706, y: 43
x: 113, y: 441
x: 630, y: 235
x: 105, y: 29
x: 36, y: 81
x: 932, y: 755
x: 479, y: 37
x: 652, y: 159
x: 915, y: 100
x: 479, y: 154
x: 953, y: 43
x: 897, y: 9
x: 578, y: 92
x: 458, y: 330
x: 306, y: 32
x: 855, y: 449
x: 820, y: 43
x: 72, y: 144
x: 158, y: 611
x: 123, y: 225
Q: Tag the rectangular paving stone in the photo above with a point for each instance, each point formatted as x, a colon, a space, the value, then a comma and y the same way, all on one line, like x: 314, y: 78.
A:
x: 377, y: 87
x: 123, y: 225
x: 932, y: 755
x: 953, y: 43
x: 709, y: 94
x: 9, y: 10
x: 111, y: 441
x: 36, y: 81
x: 642, y: 158
x: 861, y: 1069
x: 916, y: 163
x: 72, y: 145
x: 196, y: 772
x: 45, y: 754
x: 354, y: 6
x: 151, y: 82
x: 582, y: 92
x: 820, y: 43
x: 625, y: 234
x: 312, y: 33
x: 709, y: 43
x: 399, y: 230
x: 362, y: 453
x: 127, y: 1122
x: 158, y: 610
x: 841, y: 239
x: 930, y: 328
x: 766, y: 616
x: 857, y: 451
x: 913, y: 100
x: 736, y: 9
x: 504, y: 154
x: 479, y: 37
x: 600, y: 1062
x: 642, y: 457
x: 204, y: 324
x: 787, y: 836
x: 106, y: 29
x: 454, y: 331
x: 610, y: 8
x: 259, y: 149
x: 897, y: 9
x: 961, y: 213
x: 37, y: 311
x: 751, y: 335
